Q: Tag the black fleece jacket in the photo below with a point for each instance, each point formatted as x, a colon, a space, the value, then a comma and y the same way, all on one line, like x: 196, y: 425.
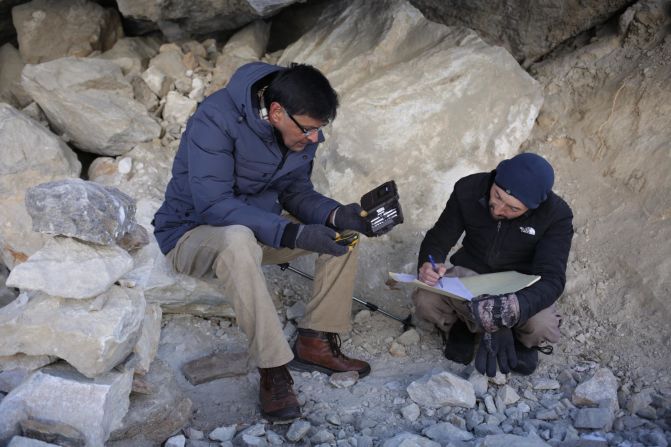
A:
x: 536, y: 243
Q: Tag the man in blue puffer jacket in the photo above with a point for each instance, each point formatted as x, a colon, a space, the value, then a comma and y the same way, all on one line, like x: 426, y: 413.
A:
x: 245, y: 158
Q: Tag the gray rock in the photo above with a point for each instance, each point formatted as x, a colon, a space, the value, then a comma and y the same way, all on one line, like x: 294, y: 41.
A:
x: 594, y: 418
x: 510, y: 440
x: 58, y: 397
x: 442, y: 389
x: 154, y: 417
x: 255, y: 430
x: 487, y: 429
x: 298, y: 430
x: 63, y: 268
x: 178, y: 108
x: 31, y: 155
x: 542, y: 383
x: 224, y: 433
x: 176, y: 441
x: 274, y: 439
x: 20, y: 441
x: 296, y: 311
x: 527, y: 33
x: 409, y: 440
x: 93, y: 342
x: 322, y: 436
x: 410, y: 412
x: 249, y: 440
x: 181, y: 19
x: 132, y: 54
x: 68, y: 89
x: 11, y: 65
x: 479, y: 382
x: 150, y: 334
x: 508, y: 395
x: 49, y: 29
x: 77, y: 208
x: 408, y: 338
x: 602, y: 386
x: 444, y: 432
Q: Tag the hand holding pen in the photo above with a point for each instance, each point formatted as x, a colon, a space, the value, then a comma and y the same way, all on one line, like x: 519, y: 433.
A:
x: 430, y: 272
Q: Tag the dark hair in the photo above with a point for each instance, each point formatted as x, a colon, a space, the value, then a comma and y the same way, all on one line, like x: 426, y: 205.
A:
x: 303, y: 90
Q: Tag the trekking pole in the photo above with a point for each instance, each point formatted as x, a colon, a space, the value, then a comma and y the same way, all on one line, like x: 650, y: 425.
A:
x: 407, y: 323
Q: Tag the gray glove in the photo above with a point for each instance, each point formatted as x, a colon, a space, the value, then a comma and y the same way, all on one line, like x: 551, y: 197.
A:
x: 496, y: 347
x: 320, y: 239
x: 351, y: 217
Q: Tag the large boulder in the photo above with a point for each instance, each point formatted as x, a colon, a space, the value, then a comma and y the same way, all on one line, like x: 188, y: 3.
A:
x: 11, y: 66
x: 85, y: 210
x: 50, y: 29
x: 197, y: 17
x: 528, y: 32
x: 421, y: 103
x: 31, y: 155
x: 63, y: 268
x: 92, y: 335
x: 59, y: 403
x: 91, y: 102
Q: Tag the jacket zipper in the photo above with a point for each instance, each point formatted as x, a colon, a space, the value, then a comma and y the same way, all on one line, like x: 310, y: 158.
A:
x: 495, y: 250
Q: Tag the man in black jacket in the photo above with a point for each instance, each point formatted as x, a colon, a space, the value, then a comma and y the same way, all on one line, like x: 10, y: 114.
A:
x: 512, y: 221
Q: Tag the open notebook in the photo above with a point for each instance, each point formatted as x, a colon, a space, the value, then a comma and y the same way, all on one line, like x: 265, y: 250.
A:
x: 472, y: 286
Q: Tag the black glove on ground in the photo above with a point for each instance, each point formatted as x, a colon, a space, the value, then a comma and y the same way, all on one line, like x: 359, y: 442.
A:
x: 494, y: 312
x: 496, y: 346
x: 320, y: 239
x: 348, y: 217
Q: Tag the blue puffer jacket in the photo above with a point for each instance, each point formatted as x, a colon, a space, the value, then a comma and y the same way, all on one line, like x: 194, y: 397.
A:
x: 229, y: 170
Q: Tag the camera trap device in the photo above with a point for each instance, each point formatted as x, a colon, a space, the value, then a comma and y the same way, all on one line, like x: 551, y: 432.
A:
x: 383, y: 208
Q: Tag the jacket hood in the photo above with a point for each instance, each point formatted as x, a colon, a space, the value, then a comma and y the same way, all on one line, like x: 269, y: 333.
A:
x: 239, y: 88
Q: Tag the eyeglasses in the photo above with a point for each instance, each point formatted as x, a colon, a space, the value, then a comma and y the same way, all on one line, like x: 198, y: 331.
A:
x: 306, y: 132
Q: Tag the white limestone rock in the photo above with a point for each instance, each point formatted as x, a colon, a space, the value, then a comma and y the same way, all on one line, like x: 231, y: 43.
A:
x: 178, y: 108
x: 438, y: 390
x: 31, y: 154
x: 132, y: 54
x: 91, y: 102
x: 247, y: 45
x: 91, y: 341
x: 147, y: 345
x: 50, y: 29
x: 58, y: 398
x: 64, y: 267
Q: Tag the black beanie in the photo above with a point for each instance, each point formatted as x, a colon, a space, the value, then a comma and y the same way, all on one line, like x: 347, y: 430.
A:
x: 527, y: 177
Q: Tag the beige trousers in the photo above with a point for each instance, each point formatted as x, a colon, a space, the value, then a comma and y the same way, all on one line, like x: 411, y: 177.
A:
x: 444, y: 311
x: 234, y: 257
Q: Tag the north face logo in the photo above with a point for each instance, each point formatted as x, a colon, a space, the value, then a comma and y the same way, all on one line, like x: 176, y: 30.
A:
x: 528, y: 230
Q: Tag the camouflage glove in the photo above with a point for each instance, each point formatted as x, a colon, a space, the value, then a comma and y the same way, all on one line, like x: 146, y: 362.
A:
x: 494, y: 312
x: 496, y: 346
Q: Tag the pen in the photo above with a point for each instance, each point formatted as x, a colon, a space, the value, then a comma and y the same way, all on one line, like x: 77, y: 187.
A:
x: 435, y: 269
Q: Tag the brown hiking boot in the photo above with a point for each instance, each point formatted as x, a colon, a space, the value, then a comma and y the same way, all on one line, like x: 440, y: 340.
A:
x: 278, y: 400
x: 320, y: 351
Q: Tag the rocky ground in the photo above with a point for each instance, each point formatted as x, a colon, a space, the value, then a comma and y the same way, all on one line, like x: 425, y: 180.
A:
x: 379, y: 410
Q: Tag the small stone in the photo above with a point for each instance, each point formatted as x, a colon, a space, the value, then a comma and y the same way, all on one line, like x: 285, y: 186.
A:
x: 499, y: 378
x: 362, y: 317
x: 508, y: 395
x: 255, y: 430
x: 333, y: 418
x: 223, y: 433
x: 410, y: 412
x: 322, y: 436
x: 273, y: 438
x: 296, y: 311
x: 194, y: 434
x: 298, y: 430
x: 409, y: 338
x: 489, y: 404
x: 397, y: 350
x: 176, y: 441
x: 344, y: 379
x: 545, y: 384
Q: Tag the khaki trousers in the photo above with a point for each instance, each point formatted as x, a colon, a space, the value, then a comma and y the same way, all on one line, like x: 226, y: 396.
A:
x: 444, y: 311
x: 234, y: 257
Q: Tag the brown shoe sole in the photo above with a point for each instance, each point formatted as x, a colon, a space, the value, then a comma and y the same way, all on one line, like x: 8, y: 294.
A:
x: 299, y: 365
